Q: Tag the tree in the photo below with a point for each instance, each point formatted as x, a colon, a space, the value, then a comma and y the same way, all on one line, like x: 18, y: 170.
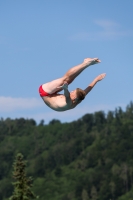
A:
x: 41, y: 122
x: 110, y: 116
x: 112, y: 187
x: 88, y: 119
x: 99, y: 119
x: 129, y: 110
x: 93, y: 193
x: 124, y: 175
x: 131, y: 174
x: 23, y: 184
x: 54, y: 121
x: 85, y: 195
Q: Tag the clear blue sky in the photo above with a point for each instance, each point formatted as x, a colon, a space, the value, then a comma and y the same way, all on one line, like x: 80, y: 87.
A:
x: 41, y: 40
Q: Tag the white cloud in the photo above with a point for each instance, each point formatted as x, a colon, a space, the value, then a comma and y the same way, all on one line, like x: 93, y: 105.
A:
x: 107, y: 24
x: 11, y: 104
x: 107, y: 30
x: 35, y: 108
x: 73, y: 114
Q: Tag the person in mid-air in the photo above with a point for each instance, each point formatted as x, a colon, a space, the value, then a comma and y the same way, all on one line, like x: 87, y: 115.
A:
x: 69, y: 100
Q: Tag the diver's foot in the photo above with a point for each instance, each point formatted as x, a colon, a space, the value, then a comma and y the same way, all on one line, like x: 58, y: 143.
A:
x: 91, y: 61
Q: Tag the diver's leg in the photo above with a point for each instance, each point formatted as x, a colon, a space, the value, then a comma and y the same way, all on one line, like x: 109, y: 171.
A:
x: 52, y: 87
x: 71, y: 74
x: 75, y: 71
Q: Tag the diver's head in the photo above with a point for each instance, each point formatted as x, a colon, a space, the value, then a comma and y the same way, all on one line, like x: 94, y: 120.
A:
x: 77, y: 95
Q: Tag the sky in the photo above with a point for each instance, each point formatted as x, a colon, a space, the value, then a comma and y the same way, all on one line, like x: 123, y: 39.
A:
x: 41, y: 40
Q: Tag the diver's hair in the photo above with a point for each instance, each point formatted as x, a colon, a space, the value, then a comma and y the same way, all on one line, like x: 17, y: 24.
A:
x: 80, y: 94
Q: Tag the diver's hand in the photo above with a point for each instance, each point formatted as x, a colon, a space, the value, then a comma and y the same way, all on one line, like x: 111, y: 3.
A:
x: 64, y: 86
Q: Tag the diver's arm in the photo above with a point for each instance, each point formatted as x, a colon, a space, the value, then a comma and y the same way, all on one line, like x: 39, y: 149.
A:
x: 66, y: 92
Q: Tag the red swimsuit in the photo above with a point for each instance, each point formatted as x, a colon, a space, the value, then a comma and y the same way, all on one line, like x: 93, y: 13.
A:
x: 42, y: 92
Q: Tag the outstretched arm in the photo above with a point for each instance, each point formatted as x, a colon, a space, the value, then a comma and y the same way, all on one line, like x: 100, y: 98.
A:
x: 88, y: 89
x: 66, y: 92
x: 93, y: 83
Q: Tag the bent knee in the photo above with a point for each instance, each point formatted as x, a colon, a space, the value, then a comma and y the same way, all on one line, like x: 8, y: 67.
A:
x: 67, y: 79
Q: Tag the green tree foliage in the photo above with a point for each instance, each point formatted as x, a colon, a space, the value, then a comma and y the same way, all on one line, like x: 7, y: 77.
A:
x: 85, y: 195
x: 22, y: 184
x: 127, y: 196
x: 90, y: 158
